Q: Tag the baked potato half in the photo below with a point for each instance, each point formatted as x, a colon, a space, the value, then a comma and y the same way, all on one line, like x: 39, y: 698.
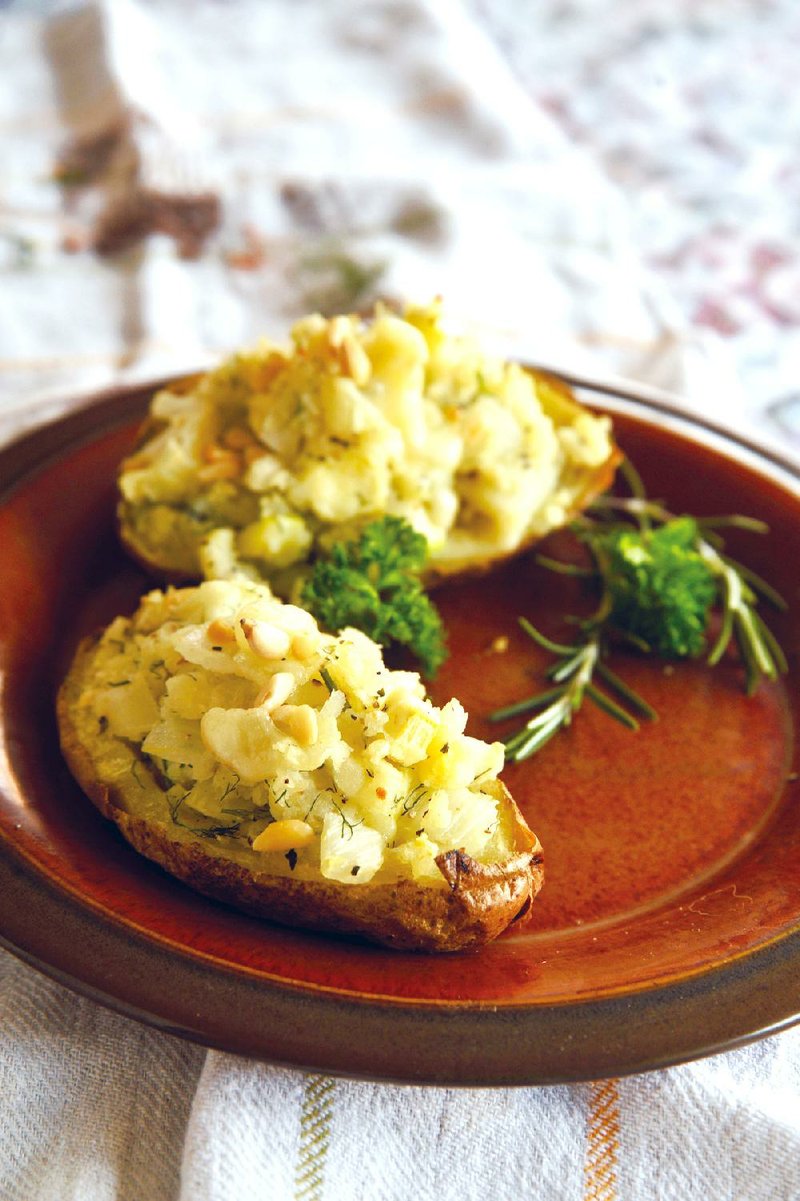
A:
x: 290, y: 773
x: 280, y: 452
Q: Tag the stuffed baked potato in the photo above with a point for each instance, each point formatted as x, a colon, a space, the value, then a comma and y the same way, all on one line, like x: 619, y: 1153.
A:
x: 280, y: 452
x: 291, y: 773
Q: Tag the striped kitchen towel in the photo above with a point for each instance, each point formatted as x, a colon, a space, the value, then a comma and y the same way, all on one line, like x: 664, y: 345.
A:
x: 94, y: 1107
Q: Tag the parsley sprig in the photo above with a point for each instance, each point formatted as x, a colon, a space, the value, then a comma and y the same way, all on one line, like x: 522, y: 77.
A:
x: 660, y: 577
x: 374, y: 584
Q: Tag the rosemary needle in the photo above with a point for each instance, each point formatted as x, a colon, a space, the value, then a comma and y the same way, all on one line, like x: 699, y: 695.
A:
x: 573, y: 675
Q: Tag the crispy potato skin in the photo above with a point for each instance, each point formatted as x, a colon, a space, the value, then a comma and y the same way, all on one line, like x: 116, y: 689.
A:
x: 474, y: 905
x: 595, y: 485
x: 435, y: 575
x: 157, y: 571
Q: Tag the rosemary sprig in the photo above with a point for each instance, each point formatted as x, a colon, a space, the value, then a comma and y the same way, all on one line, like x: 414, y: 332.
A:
x: 660, y: 575
x: 572, y: 674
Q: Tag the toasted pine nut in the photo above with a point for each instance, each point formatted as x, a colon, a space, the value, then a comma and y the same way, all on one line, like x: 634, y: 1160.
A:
x: 264, y: 639
x: 298, y: 721
x: 355, y: 362
x: 338, y: 329
x: 220, y: 631
x: 278, y: 690
x: 237, y: 438
x: 252, y: 452
x: 303, y: 646
x: 212, y: 453
x: 265, y: 372
x: 221, y: 469
x: 286, y: 835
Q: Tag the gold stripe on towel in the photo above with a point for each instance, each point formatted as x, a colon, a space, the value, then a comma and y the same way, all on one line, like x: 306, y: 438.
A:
x: 602, y: 1133
x: 315, y: 1133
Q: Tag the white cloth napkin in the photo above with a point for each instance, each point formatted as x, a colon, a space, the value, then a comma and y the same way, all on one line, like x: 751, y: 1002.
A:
x: 94, y: 1107
x: 385, y: 139
x: 360, y: 148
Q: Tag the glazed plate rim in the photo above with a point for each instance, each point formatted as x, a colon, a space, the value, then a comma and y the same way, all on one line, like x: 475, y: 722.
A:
x: 105, y: 957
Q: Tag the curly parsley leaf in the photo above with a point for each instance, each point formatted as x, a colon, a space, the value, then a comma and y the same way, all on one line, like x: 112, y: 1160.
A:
x: 660, y: 587
x: 374, y: 584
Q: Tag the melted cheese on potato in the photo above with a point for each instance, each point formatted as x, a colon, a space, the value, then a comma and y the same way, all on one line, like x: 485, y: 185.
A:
x: 281, y: 740
x: 281, y: 450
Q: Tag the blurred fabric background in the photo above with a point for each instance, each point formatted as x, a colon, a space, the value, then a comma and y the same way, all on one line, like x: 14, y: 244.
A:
x: 612, y: 187
x: 690, y: 110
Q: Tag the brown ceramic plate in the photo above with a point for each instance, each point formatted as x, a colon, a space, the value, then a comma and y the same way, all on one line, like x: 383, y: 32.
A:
x: 669, y: 925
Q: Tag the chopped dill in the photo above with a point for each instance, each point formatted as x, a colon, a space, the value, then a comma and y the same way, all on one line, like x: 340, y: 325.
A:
x: 328, y: 680
x: 211, y: 831
x: 348, y: 827
x: 412, y: 799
